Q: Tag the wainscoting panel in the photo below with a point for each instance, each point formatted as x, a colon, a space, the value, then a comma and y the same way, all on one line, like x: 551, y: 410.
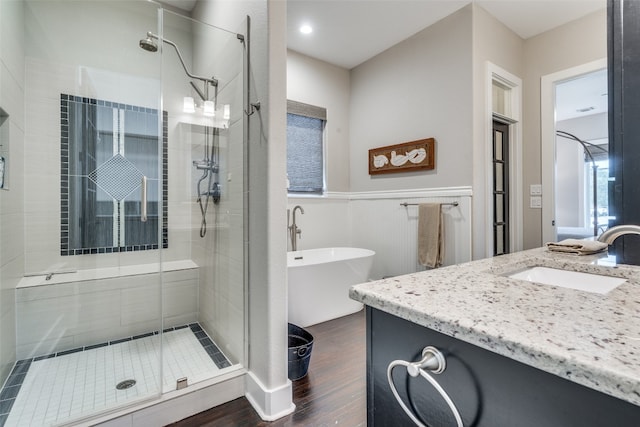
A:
x: 377, y: 221
x: 383, y: 225
x: 324, y: 224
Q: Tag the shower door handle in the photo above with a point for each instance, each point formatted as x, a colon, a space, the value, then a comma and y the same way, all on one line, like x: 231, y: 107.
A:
x: 143, y: 199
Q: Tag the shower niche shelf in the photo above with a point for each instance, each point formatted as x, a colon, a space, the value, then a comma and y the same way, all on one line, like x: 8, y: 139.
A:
x: 203, y: 122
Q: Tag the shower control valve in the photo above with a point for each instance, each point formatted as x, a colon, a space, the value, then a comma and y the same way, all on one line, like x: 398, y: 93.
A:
x: 432, y: 360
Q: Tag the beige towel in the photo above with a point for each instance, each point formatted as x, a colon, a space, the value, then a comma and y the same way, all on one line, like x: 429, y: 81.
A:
x: 430, y: 235
x: 577, y: 247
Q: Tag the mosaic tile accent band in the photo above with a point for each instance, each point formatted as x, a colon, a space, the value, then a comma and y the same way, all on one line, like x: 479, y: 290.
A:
x: 107, y: 177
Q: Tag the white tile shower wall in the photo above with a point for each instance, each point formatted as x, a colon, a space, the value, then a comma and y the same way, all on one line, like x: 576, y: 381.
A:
x: 63, y: 316
x: 11, y: 200
x: 115, y: 70
x: 220, y: 254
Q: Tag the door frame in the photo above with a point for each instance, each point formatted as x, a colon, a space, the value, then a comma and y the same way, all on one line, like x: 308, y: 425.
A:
x: 496, y: 74
x: 548, y: 139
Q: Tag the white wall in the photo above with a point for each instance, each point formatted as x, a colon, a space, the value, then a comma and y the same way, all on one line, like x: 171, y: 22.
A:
x: 570, y: 200
x: 419, y: 88
x: 571, y: 208
x: 11, y: 199
x: 324, y: 85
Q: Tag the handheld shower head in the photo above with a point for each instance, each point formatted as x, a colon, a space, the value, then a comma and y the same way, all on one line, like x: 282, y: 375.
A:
x: 149, y: 44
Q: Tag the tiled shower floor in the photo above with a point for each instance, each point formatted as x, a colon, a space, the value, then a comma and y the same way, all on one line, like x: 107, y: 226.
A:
x: 55, y: 389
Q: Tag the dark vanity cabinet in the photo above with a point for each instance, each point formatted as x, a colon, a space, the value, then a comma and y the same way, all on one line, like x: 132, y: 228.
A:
x: 489, y: 390
x: 624, y: 122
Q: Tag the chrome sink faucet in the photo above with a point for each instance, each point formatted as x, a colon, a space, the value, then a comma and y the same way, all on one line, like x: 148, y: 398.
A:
x: 294, y: 231
x: 613, y: 233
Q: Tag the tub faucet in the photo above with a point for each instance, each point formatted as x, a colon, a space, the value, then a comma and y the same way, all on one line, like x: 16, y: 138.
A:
x: 294, y: 231
x: 613, y: 233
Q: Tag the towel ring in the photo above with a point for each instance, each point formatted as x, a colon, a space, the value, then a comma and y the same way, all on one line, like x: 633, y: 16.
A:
x: 434, y: 361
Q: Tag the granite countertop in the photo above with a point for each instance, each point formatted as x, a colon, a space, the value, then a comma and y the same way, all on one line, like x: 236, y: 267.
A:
x: 591, y: 339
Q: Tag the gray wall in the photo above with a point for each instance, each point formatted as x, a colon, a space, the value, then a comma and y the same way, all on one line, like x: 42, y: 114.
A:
x: 419, y: 88
x: 495, y: 43
x: 578, y: 42
x: 317, y: 83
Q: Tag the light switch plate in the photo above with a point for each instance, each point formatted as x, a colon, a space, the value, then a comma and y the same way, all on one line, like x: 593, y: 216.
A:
x: 535, y: 202
x: 535, y: 190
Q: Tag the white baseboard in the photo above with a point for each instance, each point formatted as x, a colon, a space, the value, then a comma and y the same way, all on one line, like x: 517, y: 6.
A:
x: 269, y: 404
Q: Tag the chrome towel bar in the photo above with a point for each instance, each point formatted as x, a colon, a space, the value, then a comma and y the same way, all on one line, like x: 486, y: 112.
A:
x: 405, y: 204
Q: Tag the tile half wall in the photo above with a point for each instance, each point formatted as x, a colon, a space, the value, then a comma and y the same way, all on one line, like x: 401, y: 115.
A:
x: 72, y: 314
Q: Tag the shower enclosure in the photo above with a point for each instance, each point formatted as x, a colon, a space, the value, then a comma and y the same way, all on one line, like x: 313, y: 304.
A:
x: 122, y: 209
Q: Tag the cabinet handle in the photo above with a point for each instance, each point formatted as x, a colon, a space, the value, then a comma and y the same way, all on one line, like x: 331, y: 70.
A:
x: 432, y: 360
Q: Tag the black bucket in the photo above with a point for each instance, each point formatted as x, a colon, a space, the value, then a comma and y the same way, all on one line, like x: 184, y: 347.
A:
x: 300, y: 346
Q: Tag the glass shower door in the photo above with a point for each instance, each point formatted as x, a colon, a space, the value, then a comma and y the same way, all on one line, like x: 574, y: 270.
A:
x: 88, y: 310
x: 203, y: 279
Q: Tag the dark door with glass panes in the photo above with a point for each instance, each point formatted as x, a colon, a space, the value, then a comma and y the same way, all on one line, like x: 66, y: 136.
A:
x: 500, y: 163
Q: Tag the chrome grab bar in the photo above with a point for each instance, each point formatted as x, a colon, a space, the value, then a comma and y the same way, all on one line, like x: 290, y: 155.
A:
x: 143, y: 199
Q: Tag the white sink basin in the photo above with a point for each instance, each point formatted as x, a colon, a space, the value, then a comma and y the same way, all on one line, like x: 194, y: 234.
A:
x: 569, y: 279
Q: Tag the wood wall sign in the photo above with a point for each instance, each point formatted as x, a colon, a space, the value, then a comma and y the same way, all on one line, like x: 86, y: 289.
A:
x: 407, y: 157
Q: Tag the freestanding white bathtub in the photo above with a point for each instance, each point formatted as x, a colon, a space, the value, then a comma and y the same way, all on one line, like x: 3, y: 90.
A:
x: 319, y: 282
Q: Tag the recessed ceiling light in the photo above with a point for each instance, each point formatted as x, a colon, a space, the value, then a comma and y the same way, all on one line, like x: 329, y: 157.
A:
x: 306, y: 29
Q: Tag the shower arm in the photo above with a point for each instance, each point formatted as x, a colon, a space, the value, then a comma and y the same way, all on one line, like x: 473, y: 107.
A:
x: 211, y: 81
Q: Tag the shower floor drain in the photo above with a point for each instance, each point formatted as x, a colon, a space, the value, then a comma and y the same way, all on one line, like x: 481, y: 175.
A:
x: 123, y: 385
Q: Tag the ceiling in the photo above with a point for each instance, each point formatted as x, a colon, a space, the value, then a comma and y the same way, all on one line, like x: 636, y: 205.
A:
x: 582, y: 96
x: 349, y: 32
x: 346, y: 33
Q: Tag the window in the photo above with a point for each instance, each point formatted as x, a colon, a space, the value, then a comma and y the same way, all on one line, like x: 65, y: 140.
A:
x: 305, y: 147
x: 106, y: 149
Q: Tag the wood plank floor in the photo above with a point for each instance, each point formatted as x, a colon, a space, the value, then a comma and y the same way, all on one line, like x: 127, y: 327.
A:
x: 332, y: 393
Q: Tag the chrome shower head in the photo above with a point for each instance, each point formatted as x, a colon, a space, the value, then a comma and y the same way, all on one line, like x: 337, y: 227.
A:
x: 149, y: 44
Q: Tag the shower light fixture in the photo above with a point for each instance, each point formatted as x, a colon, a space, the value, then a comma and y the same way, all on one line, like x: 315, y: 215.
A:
x: 189, y: 106
x: 306, y: 29
x: 227, y: 112
x: 209, y: 109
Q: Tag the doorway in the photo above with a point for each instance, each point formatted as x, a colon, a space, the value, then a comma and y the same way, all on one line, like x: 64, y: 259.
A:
x: 503, y: 158
x: 500, y: 163
x: 574, y: 130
